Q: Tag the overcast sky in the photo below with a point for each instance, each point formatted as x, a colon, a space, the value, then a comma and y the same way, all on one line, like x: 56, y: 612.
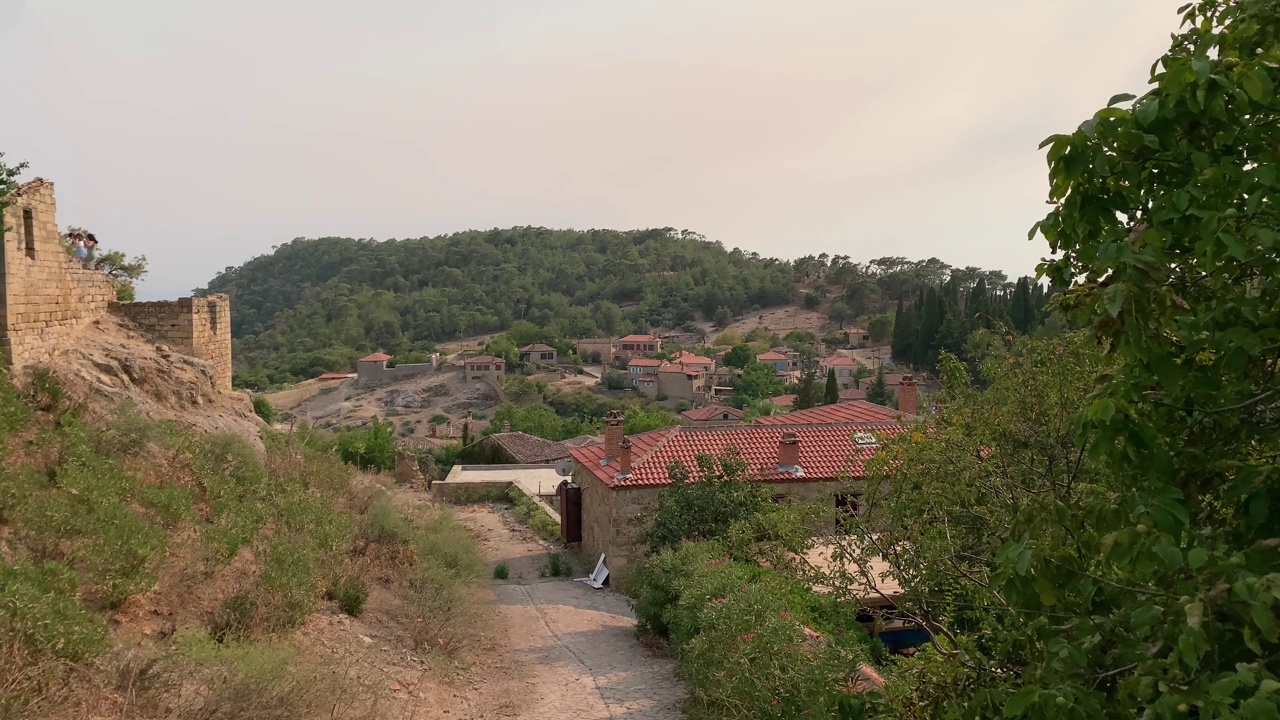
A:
x: 203, y: 133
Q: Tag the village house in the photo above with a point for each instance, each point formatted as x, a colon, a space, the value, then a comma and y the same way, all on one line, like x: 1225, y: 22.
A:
x: 643, y: 375
x: 619, y: 481
x: 512, y: 448
x: 713, y: 415
x: 846, y: 369
x: 596, y: 350
x: 677, y: 381
x: 781, y: 363
x: 855, y: 411
x: 695, y: 362
x: 859, y: 338
x: 483, y: 366
x: 795, y: 363
x: 639, y: 346
x: 537, y: 353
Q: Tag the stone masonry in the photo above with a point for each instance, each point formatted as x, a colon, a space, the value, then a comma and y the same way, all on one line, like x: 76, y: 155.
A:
x: 46, y: 298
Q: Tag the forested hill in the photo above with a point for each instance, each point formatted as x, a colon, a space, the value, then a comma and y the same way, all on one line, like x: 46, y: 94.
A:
x: 316, y: 304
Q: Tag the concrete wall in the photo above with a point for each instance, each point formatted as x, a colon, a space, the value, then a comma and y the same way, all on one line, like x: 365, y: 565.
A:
x: 199, y: 327
x: 44, y: 298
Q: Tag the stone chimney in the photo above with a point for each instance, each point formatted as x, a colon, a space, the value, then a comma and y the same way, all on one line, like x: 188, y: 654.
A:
x: 612, y: 435
x: 907, y: 395
x: 789, y: 450
x: 506, y: 426
x: 624, y: 456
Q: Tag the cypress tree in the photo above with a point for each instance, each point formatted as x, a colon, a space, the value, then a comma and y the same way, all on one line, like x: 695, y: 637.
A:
x: 906, y: 328
x: 1021, y: 312
x: 832, y: 394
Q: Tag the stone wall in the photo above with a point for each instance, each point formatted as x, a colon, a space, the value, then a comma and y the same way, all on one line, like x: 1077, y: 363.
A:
x: 199, y: 327
x: 370, y: 373
x: 44, y: 297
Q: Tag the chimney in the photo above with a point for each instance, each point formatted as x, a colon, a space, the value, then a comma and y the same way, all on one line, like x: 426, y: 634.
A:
x: 506, y: 426
x: 612, y: 435
x: 907, y: 395
x: 789, y: 451
x: 624, y: 456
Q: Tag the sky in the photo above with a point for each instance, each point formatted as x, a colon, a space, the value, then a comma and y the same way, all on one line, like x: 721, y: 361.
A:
x: 202, y: 134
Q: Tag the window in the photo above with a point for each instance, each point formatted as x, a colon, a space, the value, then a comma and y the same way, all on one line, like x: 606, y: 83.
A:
x: 548, y: 356
x: 724, y: 416
x: 29, y: 232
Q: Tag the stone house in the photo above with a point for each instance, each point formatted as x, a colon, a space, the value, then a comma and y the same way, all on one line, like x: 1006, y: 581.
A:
x: 537, y: 353
x: 484, y: 366
x: 713, y: 415
x: 372, y: 369
x: 781, y: 363
x: 512, y: 448
x: 695, y: 362
x: 677, y: 381
x: 643, y: 370
x: 589, y: 348
x: 859, y: 337
x: 639, y: 346
x: 620, y: 480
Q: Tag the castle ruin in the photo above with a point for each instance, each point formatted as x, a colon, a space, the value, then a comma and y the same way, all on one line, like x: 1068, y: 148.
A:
x: 45, y: 298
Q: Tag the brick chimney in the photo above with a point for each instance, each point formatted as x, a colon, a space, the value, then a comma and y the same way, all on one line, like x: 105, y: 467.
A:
x: 789, y: 450
x: 612, y: 435
x: 907, y: 395
x: 624, y: 456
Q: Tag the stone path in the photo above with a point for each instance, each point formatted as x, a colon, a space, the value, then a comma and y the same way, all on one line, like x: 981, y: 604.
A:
x: 572, y: 648
x: 581, y: 649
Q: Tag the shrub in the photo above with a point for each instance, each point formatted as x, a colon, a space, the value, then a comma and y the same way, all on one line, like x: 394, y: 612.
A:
x: 533, y: 514
x: 384, y: 525
x: 41, y: 612
x: 439, y: 419
x: 350, y: 593
x: 501, y: 571
x: 372, y: 448
x: 263, y: 408
x: 557, y: 566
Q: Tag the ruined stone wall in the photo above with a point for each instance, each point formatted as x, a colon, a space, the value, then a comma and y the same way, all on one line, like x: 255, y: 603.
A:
x: 44, y: 296
x: 199, y: 327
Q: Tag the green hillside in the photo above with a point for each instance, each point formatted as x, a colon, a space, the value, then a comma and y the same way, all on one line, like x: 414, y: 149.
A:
x: 314, y: 305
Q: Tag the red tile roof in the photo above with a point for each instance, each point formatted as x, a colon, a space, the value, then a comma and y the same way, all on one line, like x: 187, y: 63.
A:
x: 827, y: 452
x: 783, y: 400
x: 479, y: 359
x: 644, y: 362
x: 335, y: 376
x: 712, y: 412
x: 770, y: 356
x: 840, y: 360
x: 853, y: 394
x: 376, y: 357
x: 854, y: 411
x: 689, y: 358
x: 680, y: 368
x: 640, y: 338
x: 537, y: 347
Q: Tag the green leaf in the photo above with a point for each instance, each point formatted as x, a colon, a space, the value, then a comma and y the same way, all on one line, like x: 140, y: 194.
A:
x: 1197, y: 557
x: 1102, y: 409
x: 1268, y: 686
x: 1258, y: 84
x: 1119, y: 98
x: 1020, y: 701
x: 1265, y: 620
x: 1145, y: 616
x: 1169, y: 553
x: 1147, y: 111
x: 1201, y: 67
x: 1114, y: 297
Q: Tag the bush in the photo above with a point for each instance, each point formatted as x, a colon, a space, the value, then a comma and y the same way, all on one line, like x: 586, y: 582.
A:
x: 557, y: 566
x: 533, y: 514
x: 501, y: 571
x: 439, y: 605
x: 384, y: 525
x: 350, y: 593
x: 373, y: 448
x: 263, y: 408
x: 41, y: 612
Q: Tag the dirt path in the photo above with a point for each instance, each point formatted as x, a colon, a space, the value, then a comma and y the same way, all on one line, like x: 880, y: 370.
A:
x: 567, y: 650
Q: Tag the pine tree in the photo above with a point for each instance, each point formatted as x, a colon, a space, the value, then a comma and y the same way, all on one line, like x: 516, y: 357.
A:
x: 808, y: 393
x: 906, y: 328
x: 832, y: 394
x: 977, y: 308
x: 1021, y: 311
x: 878, y: 391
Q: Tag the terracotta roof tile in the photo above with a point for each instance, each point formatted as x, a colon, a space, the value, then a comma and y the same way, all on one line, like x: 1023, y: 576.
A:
x: 335, y: 376
x: 529, y: 449
x: 839, y: 361
x: 783, y: 400
x: 854, y: 411
x: 689, y: 358
x: 375, y: 357
x: 639, y: 338
x: 853, y: 394
x: 644, y: 362
x: 712, y: 412
x: 484, y: 359
x: 770, y: 356
x: 537, y: 347
x: 827, y: 452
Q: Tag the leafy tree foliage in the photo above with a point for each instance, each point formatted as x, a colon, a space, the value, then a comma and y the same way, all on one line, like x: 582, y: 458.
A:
x: 704, y: 502
x: 739, y: 356
x: 361, y: 295
x: 8, y: 183
x: 757, y: 381
x: 878, y: 391
x: 808, y: 392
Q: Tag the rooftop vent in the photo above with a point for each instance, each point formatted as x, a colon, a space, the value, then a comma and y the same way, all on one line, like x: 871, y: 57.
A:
x: 865, y: 439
